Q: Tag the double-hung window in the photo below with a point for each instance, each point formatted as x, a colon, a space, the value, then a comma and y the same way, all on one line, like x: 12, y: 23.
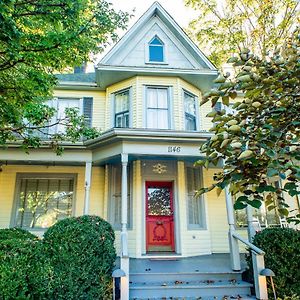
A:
x: 121, y: 109
x: 156, y: 50
x: 190, y: 112
x: 195, y: 204
x: 157, y: 113
x: 84, y: 106
x: 115, y: 207
x: 262, y: 215
x: 43, y: 199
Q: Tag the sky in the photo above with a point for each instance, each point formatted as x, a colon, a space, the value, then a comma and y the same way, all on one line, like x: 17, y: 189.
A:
x: 175, y: 8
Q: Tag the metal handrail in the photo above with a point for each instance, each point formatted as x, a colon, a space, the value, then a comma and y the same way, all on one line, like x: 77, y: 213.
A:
x: 250, y: 245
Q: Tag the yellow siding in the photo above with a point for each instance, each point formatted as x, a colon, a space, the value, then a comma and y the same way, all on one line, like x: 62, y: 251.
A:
x: 8, y: 180
x: 217, y: 215
x: 98, y: 117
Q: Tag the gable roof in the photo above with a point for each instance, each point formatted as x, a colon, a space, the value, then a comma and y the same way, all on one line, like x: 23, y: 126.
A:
x: 114, y: 66
x: 157, y: 10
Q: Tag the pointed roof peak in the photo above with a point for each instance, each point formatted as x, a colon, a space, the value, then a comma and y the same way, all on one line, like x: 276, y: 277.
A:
x: 157, y: 10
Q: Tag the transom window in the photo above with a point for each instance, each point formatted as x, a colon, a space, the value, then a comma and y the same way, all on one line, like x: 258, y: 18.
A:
x: 196, y: 214
x: 122, y: 109
x: 157, y: 108
x: 190, y: 111
x: 42, y: 200
x: 156, y: 50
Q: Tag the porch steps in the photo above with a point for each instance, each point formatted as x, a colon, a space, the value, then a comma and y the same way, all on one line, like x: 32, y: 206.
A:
x: 188, y: 286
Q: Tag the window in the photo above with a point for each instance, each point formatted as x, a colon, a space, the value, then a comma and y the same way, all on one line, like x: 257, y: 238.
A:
x: 156, y: 50
x: 262, y: 215
x: 42, y: 199
x: 121, y: 109
x: 157, y: 108
x: 115, y: 213
x: 83, y: 105
x: 196, y: 214
x: 190, y: 112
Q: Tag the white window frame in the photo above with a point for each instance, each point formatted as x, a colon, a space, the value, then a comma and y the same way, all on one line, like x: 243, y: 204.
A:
x: 55, y: 104
x: 113, y: 103
x: 197, y: 112
x: 147, y: 51
x: 202, y: 207
x: 47, y: 176
x: 169, y: 102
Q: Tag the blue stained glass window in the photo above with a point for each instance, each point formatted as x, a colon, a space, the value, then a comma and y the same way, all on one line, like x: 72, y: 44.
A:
x: 156, y: 50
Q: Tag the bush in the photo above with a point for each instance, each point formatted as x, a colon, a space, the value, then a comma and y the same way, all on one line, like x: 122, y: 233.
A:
x: 23, y: 268
x: 82, y: 254
x: 281, y: 246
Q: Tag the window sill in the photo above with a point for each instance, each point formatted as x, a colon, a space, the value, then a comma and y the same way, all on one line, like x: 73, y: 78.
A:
x: 156, y: 63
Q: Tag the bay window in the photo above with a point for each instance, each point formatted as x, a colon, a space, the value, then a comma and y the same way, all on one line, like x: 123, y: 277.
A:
x: 157, y: 108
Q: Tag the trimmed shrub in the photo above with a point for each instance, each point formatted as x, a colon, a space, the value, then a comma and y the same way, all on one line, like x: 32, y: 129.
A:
x: 82, y: 254
x: 281, y: 246
x: 23, y: 268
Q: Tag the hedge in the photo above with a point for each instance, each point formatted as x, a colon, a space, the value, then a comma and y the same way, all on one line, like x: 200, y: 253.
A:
x: 82, y: 254
x: 23, y: 267
x: 281, y: 246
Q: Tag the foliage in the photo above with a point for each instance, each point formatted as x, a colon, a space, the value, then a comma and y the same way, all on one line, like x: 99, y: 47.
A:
x: 82, y: 254
x: 226, y: 27
x: 281, y: 246
x: 37, y: 39
x: 260, y: 142
x: 23, y: 268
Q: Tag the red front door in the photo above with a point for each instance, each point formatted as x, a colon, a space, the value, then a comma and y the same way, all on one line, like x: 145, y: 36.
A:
x: 159, y: 216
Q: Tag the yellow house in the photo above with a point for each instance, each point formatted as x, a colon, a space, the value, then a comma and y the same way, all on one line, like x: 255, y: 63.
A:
x: 139, y: 174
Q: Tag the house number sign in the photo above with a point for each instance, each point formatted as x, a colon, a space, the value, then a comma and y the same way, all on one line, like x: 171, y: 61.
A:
x: 174, y: 149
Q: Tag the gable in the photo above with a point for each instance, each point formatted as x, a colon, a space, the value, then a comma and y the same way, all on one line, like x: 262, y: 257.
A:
x: 179, y: 51
x: 136, y: 52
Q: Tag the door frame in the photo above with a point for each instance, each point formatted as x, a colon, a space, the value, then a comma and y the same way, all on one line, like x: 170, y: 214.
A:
x: 170, y: 185
x: 176, y: 237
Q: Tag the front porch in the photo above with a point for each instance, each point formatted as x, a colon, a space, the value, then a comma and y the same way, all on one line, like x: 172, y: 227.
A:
x: 200, y: 277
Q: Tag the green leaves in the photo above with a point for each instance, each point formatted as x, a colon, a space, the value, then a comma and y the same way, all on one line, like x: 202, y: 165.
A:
x: 37, y: 40
x: 259, y: 141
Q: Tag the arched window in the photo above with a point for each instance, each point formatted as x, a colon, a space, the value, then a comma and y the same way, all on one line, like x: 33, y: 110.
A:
x: 156, y: 50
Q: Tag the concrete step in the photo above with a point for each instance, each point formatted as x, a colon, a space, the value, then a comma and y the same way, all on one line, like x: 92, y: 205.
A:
x: 150, y: 276
x: 194, y: 288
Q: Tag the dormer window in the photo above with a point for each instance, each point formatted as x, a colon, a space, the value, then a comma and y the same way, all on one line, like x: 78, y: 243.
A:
x: 156, y: 50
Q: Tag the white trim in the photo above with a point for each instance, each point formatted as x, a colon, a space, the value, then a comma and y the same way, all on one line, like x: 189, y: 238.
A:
x: 113, y: 110
x: 147, y: 52
x: 150, y: 69
x: 169, y: 101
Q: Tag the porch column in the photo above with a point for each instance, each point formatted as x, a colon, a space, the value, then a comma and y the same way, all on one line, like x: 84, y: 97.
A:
x: 124, y: 234
x: 233, y: 243
x: 250, y: 229
x: 87, y: 186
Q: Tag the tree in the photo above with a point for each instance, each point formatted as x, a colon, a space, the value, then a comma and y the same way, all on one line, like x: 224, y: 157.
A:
x: 226, y: 27
x: 260, y: 142
x: 39, y: 38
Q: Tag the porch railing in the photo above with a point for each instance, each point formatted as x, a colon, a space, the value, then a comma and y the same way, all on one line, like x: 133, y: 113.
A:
x: 258, y: 263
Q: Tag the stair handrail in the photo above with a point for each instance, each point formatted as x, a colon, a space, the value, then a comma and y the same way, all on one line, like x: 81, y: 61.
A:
x: 250, y: 245
x: 258, y: 263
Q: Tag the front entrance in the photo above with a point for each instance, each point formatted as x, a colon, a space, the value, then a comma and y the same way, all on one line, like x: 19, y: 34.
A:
x: 159, y: 217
